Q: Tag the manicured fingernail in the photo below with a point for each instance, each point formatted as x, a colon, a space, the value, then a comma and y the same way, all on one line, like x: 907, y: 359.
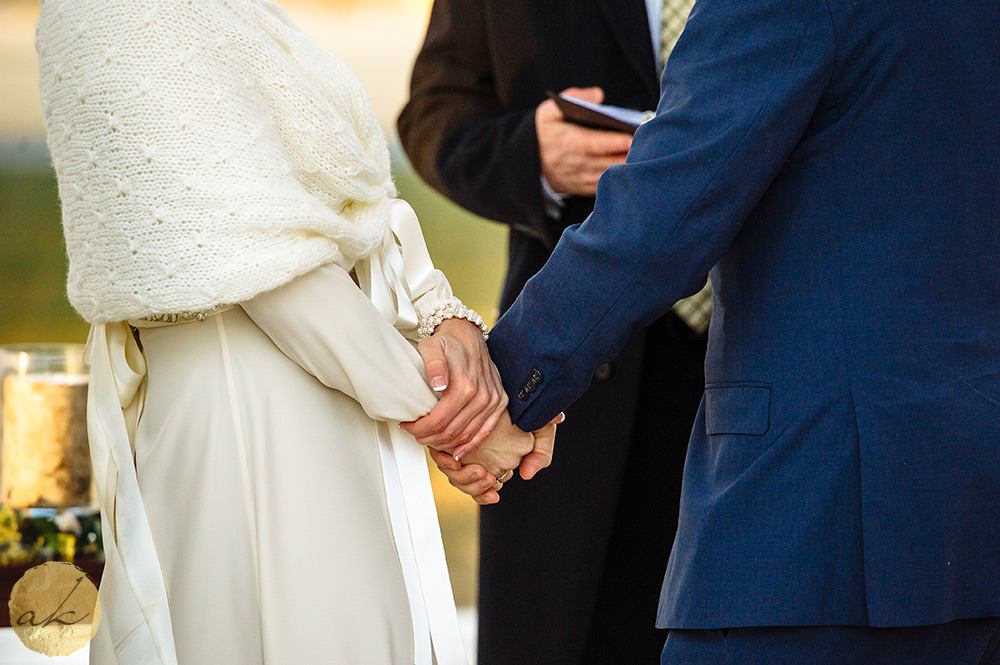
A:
x: 562, y: 418
x: 438, y: 383
x: 458, y: 457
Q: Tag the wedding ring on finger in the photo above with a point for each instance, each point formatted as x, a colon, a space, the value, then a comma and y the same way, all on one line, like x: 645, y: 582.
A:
x: 504, y: 476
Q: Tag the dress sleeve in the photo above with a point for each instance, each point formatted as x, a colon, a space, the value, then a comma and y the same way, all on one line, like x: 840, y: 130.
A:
x: 437, y: 296
x: 356, y: 333
x: 399, y: 277
x: 326, y: 325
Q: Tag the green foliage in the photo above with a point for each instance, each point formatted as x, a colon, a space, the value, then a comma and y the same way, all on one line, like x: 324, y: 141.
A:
x: 48, y: 535
x: 33, y: 305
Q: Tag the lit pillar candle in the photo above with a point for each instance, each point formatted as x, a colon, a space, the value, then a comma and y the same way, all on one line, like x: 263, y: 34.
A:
x: 46, y: 460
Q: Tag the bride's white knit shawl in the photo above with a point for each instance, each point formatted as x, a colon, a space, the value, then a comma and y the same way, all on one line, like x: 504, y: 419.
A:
x: 206, y: 151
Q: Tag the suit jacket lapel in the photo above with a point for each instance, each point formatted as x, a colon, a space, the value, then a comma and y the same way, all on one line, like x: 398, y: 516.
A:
x: 630, y: 25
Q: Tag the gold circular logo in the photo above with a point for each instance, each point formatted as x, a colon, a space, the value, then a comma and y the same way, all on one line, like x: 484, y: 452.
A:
x: 54, y: 609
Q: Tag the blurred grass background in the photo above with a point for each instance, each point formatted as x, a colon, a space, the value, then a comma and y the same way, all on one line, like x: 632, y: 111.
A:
x: 379, y: 40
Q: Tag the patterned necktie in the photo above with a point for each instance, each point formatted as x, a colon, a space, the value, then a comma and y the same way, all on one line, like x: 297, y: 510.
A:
x: 695, y: 311
x: 673, y: 19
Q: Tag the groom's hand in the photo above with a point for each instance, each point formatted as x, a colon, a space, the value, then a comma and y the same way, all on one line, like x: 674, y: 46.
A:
x: 458, y: 365
x: 491, y: 464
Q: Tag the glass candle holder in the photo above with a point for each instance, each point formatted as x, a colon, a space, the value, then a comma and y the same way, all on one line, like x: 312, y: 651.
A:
x: 44, y: 456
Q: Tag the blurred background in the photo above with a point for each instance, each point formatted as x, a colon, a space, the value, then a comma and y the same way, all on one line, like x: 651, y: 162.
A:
x: 379, y: 40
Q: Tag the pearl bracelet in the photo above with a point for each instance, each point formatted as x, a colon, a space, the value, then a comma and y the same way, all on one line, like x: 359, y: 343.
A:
x: 452, y: 310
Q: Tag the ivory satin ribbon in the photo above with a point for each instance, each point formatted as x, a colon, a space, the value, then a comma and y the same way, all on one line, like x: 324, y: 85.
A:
x: 137, y: 612
x: 393, y: 278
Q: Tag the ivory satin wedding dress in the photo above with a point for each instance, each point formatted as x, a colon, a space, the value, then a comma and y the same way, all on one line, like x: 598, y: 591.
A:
x: 276, y: 512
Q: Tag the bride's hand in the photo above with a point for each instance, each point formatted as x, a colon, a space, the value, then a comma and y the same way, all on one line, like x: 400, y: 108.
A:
x: 482, y: 472
x: 458, y: 364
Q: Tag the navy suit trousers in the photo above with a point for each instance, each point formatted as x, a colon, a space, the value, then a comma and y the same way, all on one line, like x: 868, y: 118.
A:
x: 963, y: 642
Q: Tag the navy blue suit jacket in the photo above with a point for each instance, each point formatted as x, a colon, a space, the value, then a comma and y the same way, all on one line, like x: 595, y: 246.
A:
x: 836, y: 165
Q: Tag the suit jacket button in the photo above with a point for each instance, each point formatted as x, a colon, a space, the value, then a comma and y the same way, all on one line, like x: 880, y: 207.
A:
x: 530, y: 386
x: 536, y: 376
x: 602, y: 372
x: 522, y: 394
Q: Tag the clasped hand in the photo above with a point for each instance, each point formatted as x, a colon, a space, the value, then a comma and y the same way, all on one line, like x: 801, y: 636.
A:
x: 482, y: 471
x: 470, y: 434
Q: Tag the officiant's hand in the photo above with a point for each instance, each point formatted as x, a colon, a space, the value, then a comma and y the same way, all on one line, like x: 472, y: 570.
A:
x: 574, y: 157
x: 458, y: 365
x: 486, y: 468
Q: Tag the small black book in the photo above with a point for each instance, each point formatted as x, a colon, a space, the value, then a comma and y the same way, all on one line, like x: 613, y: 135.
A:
x: 600, y: 116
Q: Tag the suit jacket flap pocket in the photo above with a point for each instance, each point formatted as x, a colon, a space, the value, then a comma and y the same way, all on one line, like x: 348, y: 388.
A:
x: 738, y: 409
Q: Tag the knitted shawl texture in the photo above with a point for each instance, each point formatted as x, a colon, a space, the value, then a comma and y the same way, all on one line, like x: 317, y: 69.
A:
x: 206, y: 151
